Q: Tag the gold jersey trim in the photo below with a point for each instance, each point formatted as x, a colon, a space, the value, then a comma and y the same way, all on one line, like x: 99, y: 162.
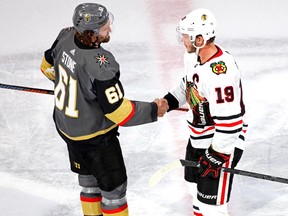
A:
x: 89, y: 136
x: 44, y: 65
x: 122, y: 112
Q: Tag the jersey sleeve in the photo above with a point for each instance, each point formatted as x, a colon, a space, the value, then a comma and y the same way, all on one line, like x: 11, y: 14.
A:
x: 176, y: 96
x: 116, y: 107
x: 47, y: 60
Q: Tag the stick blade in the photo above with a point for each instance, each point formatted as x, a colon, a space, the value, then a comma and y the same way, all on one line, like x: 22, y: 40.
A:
x: 189, y: 163
x: 156, y: 177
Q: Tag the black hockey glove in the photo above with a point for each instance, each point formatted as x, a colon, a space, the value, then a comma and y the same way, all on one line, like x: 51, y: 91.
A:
x: 201, y: 114
x: 211, y: 163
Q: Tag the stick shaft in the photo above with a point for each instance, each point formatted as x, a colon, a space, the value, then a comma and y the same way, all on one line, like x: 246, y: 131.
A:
x: 182, y: 109
x: 46, y: 91
x: 241, y: 172
x: 256, y: 175
x: 26, y: 89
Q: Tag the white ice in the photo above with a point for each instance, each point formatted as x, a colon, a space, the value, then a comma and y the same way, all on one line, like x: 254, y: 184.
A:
x: 35, y: 179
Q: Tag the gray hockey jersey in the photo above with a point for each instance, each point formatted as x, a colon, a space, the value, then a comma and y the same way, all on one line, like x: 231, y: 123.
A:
x: 89, y: 97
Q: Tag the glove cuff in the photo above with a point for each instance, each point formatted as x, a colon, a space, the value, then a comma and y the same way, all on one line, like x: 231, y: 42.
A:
x: 216, y: 157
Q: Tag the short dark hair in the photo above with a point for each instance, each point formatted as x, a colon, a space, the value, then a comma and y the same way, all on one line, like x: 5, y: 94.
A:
x: 211, y: 40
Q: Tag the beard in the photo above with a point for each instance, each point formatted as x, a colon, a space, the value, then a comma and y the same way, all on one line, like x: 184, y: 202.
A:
x: 105, y: 39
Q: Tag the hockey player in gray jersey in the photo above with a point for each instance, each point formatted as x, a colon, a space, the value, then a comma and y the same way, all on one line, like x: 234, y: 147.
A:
x: 212, y: 88
x: 90, y: 105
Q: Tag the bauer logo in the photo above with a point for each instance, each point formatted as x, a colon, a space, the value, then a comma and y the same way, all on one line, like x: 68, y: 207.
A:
x: 205, y: 196
x: 219, y: 67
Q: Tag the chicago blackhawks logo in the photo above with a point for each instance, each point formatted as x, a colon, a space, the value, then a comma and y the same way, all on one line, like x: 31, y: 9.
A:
x: 204, y: 17
x: 101, y: 59
x: 219, y: 67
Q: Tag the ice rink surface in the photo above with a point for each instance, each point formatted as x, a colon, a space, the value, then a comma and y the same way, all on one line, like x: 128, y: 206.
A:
x: 35, y: 179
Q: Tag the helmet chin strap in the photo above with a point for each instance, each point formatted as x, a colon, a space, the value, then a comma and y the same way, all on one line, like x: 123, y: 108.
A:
x: 198, y: 47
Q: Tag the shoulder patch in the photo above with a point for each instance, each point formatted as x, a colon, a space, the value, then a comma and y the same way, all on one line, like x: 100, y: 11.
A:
x: 102, y: 59
x: 218, y: 67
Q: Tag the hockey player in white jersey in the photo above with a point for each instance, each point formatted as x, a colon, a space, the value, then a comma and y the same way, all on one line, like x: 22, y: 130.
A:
x: 212, y: 87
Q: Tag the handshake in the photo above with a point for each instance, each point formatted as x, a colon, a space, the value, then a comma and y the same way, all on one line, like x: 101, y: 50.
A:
x: 162, y: 106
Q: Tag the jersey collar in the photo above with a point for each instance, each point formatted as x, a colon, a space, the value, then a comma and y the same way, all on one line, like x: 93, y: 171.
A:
x: 217, y: 54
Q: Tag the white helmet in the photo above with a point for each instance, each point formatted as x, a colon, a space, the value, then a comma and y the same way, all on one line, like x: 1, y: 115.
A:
x: 198, y: 22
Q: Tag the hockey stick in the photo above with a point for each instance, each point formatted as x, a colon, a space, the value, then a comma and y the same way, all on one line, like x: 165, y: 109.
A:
x: 46, y: 91
x: 240, y: 172
x: 182, y: 109
x: 178, y: 163
x: 26, y: 89
x: 156, y: 177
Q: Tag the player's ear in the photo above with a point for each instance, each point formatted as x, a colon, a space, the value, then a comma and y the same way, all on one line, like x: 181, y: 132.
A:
x: 199, y: 40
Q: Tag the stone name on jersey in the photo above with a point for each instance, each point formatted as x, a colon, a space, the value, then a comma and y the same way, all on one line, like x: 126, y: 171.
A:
x: 68, y: 61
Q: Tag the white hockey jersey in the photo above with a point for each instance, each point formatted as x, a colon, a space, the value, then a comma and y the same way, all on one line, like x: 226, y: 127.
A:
x: 214, y: 93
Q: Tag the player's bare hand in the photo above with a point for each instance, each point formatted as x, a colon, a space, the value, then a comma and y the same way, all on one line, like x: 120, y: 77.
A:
x: 162, y: 106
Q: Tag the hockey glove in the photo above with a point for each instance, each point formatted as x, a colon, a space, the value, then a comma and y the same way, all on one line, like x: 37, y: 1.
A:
x: 199, y: 105
x: 211, y: 163
x: 47, y: 69
x: 50, y: 73
x: 201, y: 114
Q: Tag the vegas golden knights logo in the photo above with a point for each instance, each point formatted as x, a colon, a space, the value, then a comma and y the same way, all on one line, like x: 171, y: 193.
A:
x: 87, y: 17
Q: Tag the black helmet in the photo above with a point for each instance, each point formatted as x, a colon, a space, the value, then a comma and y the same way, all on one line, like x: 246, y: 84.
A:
x: 90, y: 16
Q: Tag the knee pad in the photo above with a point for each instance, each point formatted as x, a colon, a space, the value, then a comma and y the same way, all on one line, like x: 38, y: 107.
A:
x: 89, y: 187
x: 114, y: 202
x: 87, y: 181
x: 90, y: 195
x: 116, y: 197
x: 90, y: 192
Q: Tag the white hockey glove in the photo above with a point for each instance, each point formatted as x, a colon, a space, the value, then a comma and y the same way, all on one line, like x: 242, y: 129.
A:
x: 50, y: 73
x: 47, y: 69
